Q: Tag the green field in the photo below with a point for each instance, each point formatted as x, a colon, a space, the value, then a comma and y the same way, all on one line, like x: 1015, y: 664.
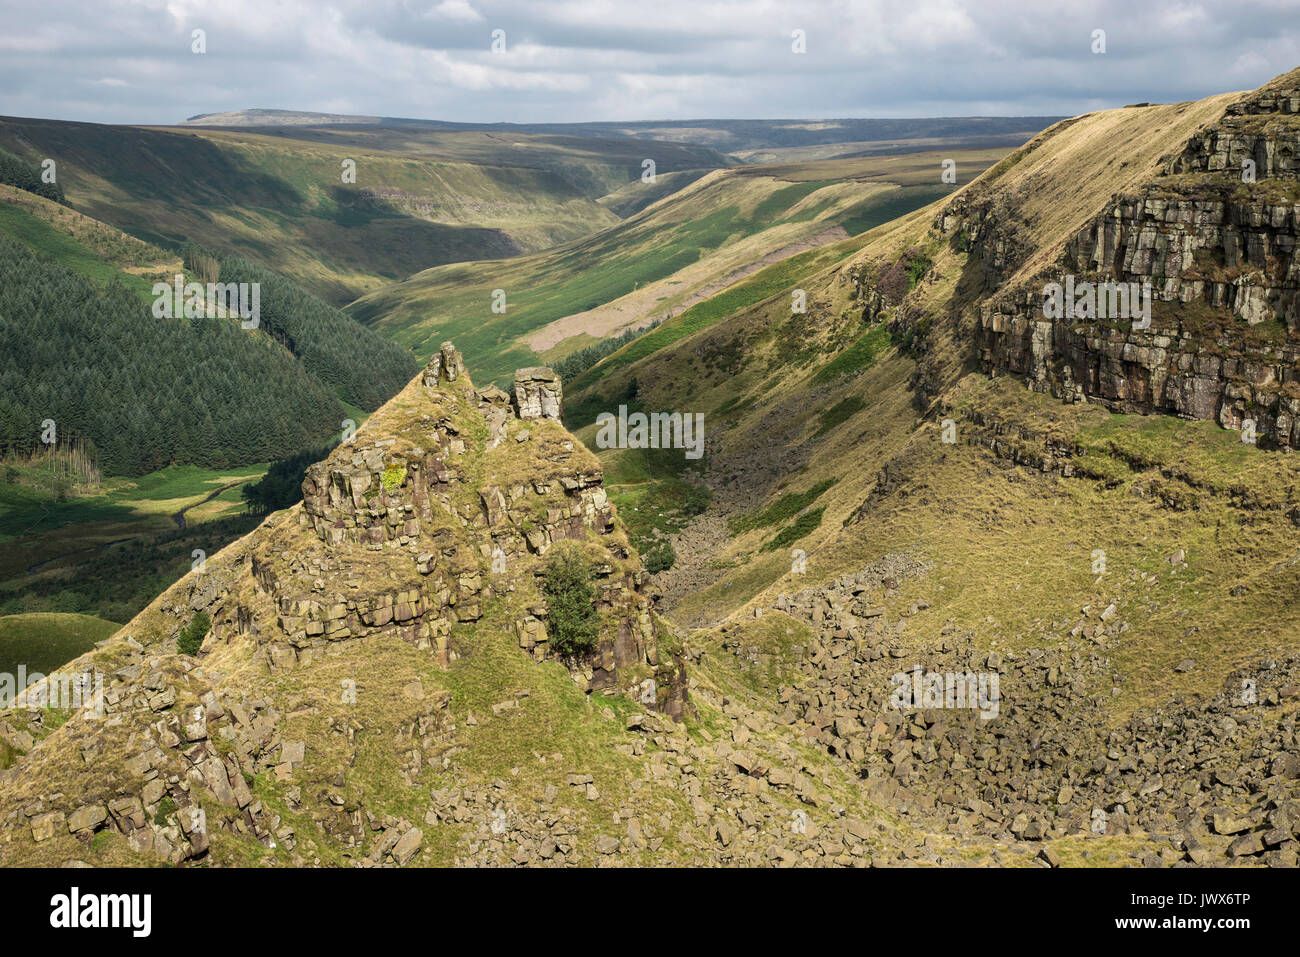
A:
x: 110, y: 550
x: 43, y: 642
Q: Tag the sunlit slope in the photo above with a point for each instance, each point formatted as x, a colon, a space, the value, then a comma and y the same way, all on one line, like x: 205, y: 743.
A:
x: 740, y: 138
x: 681, y: 249
x: 1130, y: 578
x: 96, y: 250
x: 823, y: 433
x: 284, y: 202
x: 593, y: 164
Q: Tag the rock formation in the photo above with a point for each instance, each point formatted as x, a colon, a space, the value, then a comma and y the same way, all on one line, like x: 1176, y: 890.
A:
x: 1217, y: 242
x: 431, y: 524
x: 537, y: 393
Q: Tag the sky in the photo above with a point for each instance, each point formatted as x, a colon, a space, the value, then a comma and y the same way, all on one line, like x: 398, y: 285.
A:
x: 134, y: 61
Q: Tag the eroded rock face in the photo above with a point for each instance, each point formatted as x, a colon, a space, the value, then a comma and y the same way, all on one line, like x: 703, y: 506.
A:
x: 1220, y: 257
x: 402, y: 505
x: 1241, y: 135
x: 537, y: 393
x: 430, y: 525
x: 446, y: 365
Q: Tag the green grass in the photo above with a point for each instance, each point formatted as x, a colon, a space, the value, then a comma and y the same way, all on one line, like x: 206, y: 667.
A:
x: 580, y: 276
x: 802, y: 527
x: 783, y: 508
x: 857, y: 357
x: 1201, y: 453
x: 45, y: 239
x: 647, y: 488
x: 764, y: 284
x: 281, y: 201
x: 44, y: 642
x: 667, y: 254
x: 29, y: 506
x: 839, y: 413
x: 110, y: 551
x: 878, y: 210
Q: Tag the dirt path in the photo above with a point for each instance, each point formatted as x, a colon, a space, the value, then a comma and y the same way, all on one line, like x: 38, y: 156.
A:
x: 179, y: 517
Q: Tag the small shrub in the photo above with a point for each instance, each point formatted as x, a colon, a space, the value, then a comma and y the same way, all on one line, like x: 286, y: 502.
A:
x: 659, y: 557
x: 393, y: 478
x: 190, y: 640
x: 166, y: 808
x: 573, y: 621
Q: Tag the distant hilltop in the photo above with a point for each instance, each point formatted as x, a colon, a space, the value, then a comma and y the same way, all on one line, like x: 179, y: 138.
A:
x: 727, y: 135
x: 278, y: 118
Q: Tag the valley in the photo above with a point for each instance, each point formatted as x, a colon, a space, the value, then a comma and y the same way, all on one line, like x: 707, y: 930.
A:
x: 401, y: 587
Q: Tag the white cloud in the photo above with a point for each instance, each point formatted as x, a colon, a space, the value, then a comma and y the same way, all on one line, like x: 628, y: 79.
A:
x: 573, y: 60
x: 460, y: 10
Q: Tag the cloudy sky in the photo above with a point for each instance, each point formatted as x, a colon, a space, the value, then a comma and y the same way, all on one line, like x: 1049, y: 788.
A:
x: 132, y: 61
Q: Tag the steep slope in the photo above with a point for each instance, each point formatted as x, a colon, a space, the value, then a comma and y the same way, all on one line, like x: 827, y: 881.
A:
x: 1213, y: 228
x: 89, y: 365
x: 374, y: 685
x: 704, y: 237
x: 876, y: 475
x: 1094, y: 607
x: 96, y: 250
x: 103, y: 517
x: 87, y: 349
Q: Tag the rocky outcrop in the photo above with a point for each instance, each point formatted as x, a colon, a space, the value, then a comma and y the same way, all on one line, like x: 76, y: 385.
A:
x: 445, y: 366
x: 1217, y: 245
x: 401, y: 505
x: 537, y: 393
x: 1246, y: 134
x: 433, y: 521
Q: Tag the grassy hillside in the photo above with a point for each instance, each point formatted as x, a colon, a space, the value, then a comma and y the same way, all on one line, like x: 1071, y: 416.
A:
x: 481, y: 753
x: 108, y: 549
x: 789, y: 398
x: 738, y: 137
x: 73, y: 540
x: 283, y: 203
x: 93, y: 249
x: 592, y: 163
x: 44, y: 642
x: 877, y: 497
x: 853, y: 149
x: 707, y: 236
x: 1132, y: 569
